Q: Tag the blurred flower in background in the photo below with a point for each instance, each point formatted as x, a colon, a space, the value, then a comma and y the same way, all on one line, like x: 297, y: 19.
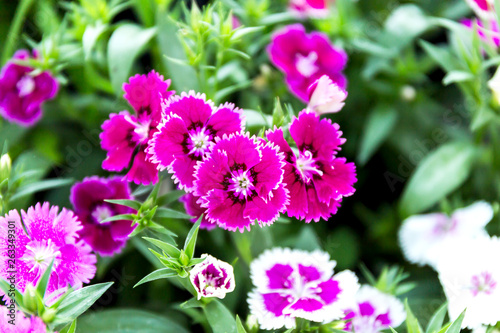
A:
x: 310, y: 8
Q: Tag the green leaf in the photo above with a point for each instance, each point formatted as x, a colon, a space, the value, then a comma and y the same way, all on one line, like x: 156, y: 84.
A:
x: 168, y: 213
x: 125, y: 45
x: 239, y: 325
x: 405, y: 23
x: 191, y: 303
x: 440, y: 173
x: 120, y: 217
x: 457, y: 76
x: 70, y: 328
x: 40, y: 186
x: 456, y: 325
x: 412, y: 324
x: 220, y: 318
x: 168, y: 198
x: 168, y: 248
x: 162, y: 273
x: 79, y: 301
x: 127, y: 321
x: 374, y: 49
x: 5, y: 287
x: 307, y: 239
x: 44, y: 280
x: 241, y: 32
x: 90, y: 37
x: 190, y: 242
x: 125, y: 202
x: 441, y: 55
x: 437, y: 319
x: 378, y: 126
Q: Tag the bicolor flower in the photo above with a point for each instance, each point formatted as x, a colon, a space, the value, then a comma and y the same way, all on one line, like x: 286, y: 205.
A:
x: 188, y: 132
x: 212, y: 277
x: 374, y: 312
x: 326, y: 96
x: 470, y: 276
x: 240, y: 182
x: 50, y: 235
x: 483, y: 8
x: 88, y: 198
x: 424, y: 237
x: 22, y: 92
x: 304, y: 58
x: 316, y: 179
x: 310, y: 8
x: 193, y: 208
x: 17, y: 322
x: 123, y: 133
x: 487, y: 30
x: 293, y: 284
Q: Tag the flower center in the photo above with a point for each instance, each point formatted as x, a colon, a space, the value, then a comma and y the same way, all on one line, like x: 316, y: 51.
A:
x: 39, y: 254
x: 142, y: 131
x: 306, y: 65
x: 102, y: 212
x: 25, y: 85
x: 483, y: 283
x: 241, y: 183
x: 199, y: 142
x: 445, y: 225
x: 307, y: 166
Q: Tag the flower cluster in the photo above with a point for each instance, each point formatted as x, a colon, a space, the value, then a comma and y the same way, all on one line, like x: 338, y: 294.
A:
x: 48, y: 235
x: 293, y: 284
x: 212, y: 277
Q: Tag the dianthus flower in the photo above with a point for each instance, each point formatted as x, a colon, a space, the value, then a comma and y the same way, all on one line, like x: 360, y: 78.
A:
x: 470, y: 276
x: 326, y: 96
x: 240, y: 182
x: 424, y: 237
x: 304, y: 58
x: 124, y: 132
x: 88, y: 198
x: 310, y: 8
x: 188, y: 132
x: 316, y: 179
x: 483, y: 8
x: 17, y: 322
x: 22, y: 92
x: 193, y: 208
x: 374, y: 311
x: 293, y: 284
x: 212, y: 277
x: 49, y: 236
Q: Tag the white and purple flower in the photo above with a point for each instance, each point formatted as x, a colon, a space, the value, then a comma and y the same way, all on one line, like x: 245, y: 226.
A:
x: 374, y: 311
x: 212, y: 277
x: 424, y: 237
x: 293, y: 284
x: 326, y: 96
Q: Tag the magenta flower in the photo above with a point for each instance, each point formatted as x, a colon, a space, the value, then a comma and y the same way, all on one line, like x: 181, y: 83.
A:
x: 16, y: 322
x: 212, y: 277
x: 188, y: 132
x: 304, y: 58
x: 316, y: 179
x: 374, y: 311
x: 293, y: 284
x: 21, y: 93
x: 310, y: 8
x: 88, y: 198
x: 124, y: 132
x: 240, y: 182
x: 326, y: 96
x: 489, y: 32
x: 52, y: 236
x: 193, y: 208
x: 483, y: 8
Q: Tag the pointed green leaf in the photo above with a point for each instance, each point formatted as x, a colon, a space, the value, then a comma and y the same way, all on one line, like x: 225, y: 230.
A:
x: 169, y: 198
x: 456, y: 325
x: 126, y: 217
x: 219, y: 317
x: 412, y: 324
x: 190, y: 242
x: 40, y: 186
x: 168, y: 248
x: 239, y: 325
x: 196, y: 261
x: 5, y: 287
x: 192, y: 303
x: 171, y: 214
x: 457, y: 76
x: 44, y: 280
x: 125, y: 202
x: 437, y: 319
x: 162, y: 273
x: 70, y: 328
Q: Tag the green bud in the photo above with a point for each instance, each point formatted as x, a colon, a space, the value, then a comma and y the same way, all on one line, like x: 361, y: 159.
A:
x: 5, y: 167
x: 49, y: 315
x: 182, y: 273
x: 184, y: 258
x: 29, y: 299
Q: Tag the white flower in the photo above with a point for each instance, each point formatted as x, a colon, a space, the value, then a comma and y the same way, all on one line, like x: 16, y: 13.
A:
x: 212, y: 277
x: 469, y: 272
x: 326, y: 96
x: 494, y: 85
x: 374, y: 311
x: 424, y: 237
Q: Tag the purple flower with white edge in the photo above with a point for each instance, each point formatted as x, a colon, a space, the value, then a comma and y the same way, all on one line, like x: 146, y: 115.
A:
x: 424, y: 237
x: 124, y: 132
x: 483, y: 8
x: 193, y: 208
x: 326, y: 96
x: 22, y: 324
x: 189, y: 130
x: 22, y: 93
x: 293, y: 284
x: 241, y: 181
x: 50, y: 235
x: 316, y: 179
x: 212, y: 277
x: 304, y: 58
x: 88, y: 198
x: 374, y: 311
x: 470, y: 275
x: 310, y: 8
x: 487, y: 30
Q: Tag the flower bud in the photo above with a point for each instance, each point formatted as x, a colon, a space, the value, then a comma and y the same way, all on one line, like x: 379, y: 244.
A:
x: 29, y: 299
x: 5, y: 167
x: 212, y: 277
x: 49, y: 315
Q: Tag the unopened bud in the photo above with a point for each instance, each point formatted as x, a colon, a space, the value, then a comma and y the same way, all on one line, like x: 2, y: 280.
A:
x: 5, y: 167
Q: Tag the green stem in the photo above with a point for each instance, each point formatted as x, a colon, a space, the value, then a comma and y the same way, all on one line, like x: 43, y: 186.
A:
x: 15, y: 28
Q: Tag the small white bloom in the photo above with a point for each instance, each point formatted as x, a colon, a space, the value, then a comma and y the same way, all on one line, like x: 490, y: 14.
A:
x: 326, y: 96
x: 424, y: 237
x: 494, y: 85
x: 470, y: 275
x: 212, y: 277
